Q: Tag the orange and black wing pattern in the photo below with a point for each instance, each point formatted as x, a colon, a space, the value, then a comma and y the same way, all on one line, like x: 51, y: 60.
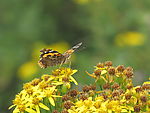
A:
x: 50, y: 57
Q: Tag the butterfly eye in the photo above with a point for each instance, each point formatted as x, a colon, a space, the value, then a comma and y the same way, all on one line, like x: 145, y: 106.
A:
x: 43, y: 50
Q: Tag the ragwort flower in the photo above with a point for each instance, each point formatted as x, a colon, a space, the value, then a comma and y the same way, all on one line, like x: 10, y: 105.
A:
x: 31, y: 98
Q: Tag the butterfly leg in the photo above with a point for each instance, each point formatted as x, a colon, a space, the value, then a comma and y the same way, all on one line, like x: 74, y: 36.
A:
x: 61, y: 64
x: 69, y: 63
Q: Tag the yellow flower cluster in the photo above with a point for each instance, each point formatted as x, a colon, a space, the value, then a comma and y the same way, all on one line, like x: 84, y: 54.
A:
x: 34, y: 94
x: 130, y: 39
x: 127, y: 102
x: 112, y: 92
x: 115, y: 93
x: 98, y: 105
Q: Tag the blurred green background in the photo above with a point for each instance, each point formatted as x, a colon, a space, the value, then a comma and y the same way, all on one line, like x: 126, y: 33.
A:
x: 116, y: 30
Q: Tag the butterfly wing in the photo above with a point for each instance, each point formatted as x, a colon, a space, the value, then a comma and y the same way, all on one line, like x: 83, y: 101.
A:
x: 70, y: 51
x: 50, y: 58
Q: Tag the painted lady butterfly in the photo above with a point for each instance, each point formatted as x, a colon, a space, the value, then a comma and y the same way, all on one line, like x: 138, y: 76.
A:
x: 50, y: 57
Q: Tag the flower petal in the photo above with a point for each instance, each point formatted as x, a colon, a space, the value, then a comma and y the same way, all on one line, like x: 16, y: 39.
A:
x: 11, y: 106
x: 56, y: 96
x: 73, y: 80
x: 16, y: 110
x: 30, y: 110
x: 44, y: 106
x: 103, y: 72
x: 51, y: 100
x: 37, y: 109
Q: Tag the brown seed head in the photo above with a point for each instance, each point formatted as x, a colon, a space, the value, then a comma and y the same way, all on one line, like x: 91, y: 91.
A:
x: 73, y: 93
x: 129, y: 86
x: 97, y: 72
x: 115, y: 86
x: 120, y: 68
x: 108, y: 63
x: 105, y: 96
x: 129, y: 69
x: 64, y: 111
x: 143, y: 98
x: 137, y: 108
x: 35, y: 82
x: 66, y: 97
x: 68, y: 104
x: 121, y: 91
x: 106, y: 86
x: 86, y: 89
x: 111, y: 71
x: 129, y: 74
x: 55, y: 111
x: 138, y: 89
x: 83, y: 97
x: 146, y: 86
x: 93, y: 87
x: 100, y: 65
x: 115, y: 93
x: 128, y: 96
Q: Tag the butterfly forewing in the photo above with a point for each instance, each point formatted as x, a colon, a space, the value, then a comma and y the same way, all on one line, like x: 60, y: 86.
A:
x: 50, y: 57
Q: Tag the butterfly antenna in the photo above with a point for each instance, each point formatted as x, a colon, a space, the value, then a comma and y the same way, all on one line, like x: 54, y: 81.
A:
x: 76, y: 46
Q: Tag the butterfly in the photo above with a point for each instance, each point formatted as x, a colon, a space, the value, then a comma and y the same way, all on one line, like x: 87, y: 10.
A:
x: 51, y: 57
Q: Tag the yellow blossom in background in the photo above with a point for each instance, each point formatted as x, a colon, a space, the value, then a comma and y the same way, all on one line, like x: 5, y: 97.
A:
x: 85, y: 1
x: 82, y: 1
x: 27, y: 70
x: 60, y: 46
x: 130, y: 39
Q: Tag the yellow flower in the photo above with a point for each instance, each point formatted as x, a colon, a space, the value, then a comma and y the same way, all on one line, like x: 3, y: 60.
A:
x: 130, y: 39
x: 85, y: 1
x: 64, y: 76
x: 30, y: 99
x: 21, y: 103
x: 48, y: 92
x: 82, y: 1
x: 36, y: 104
x: 27, y: 70
x: 83, y: 106
x: 88, y: 102
x: 112, y: 105
x: 147, y: 82
x: 98, y: 101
